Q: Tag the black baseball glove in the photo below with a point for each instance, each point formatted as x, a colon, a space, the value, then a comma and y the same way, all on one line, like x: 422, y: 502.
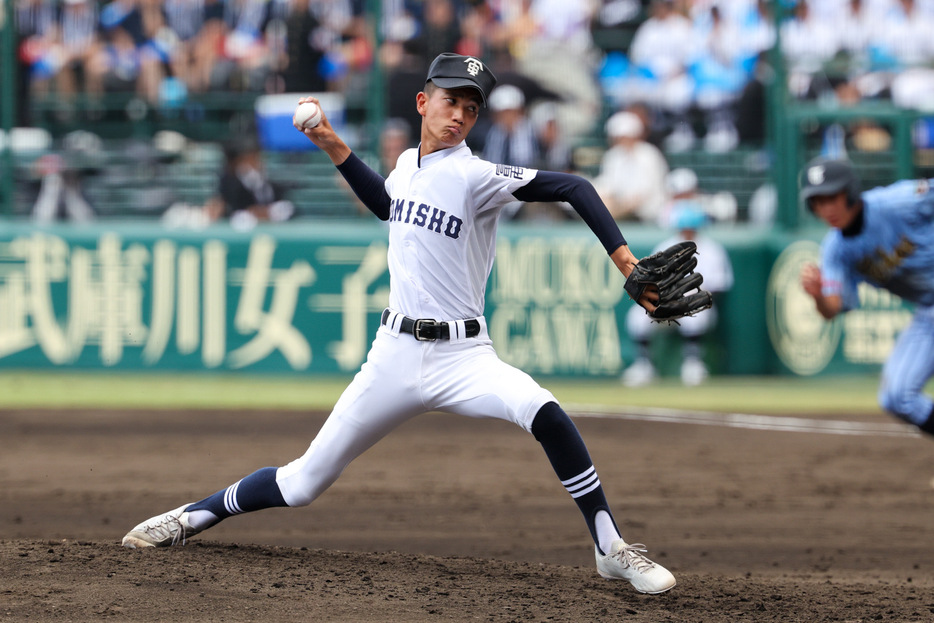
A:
x: 671, y: 270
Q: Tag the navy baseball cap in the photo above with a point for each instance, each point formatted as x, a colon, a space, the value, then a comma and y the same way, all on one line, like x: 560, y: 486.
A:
x: 826, y: 176
x: 453, y: 71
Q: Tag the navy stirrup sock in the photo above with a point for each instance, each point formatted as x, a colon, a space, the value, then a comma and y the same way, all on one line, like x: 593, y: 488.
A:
x: 571, y: 461
x: 257, y: 491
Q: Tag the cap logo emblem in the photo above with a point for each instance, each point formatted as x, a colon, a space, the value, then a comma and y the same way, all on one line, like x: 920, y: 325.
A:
x: 816, y: 175
x: 473, y: 66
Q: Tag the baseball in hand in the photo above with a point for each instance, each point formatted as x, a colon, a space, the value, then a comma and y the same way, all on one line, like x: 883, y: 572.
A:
x: 306, y: 116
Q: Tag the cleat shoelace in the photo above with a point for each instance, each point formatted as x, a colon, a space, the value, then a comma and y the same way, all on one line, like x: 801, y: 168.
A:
x: 631, y: 556
x: 167, y: 526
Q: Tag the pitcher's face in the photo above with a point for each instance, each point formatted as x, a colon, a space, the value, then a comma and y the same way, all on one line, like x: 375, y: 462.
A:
x: 448, y: 116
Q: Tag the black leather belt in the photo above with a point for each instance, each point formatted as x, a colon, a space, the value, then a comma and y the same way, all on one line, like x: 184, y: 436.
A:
x: 426, y: 329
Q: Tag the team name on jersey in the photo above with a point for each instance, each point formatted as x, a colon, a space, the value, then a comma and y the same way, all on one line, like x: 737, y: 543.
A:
x: 424, y: 215
x: 880, y: 266
x: 506, y: 170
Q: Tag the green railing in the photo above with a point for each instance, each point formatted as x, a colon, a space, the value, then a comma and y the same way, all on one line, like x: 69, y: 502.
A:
x: 798, y: 120
x: 206, y: 116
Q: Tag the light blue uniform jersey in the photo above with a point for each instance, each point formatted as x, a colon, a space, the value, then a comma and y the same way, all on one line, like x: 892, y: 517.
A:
x: 894, y: 251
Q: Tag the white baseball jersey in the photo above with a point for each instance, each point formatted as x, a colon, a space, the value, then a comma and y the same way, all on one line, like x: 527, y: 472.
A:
x: 442, y: 230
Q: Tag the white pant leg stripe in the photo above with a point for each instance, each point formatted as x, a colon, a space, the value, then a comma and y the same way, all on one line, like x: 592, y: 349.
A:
x: 579, y: 477
x: 230, y: 499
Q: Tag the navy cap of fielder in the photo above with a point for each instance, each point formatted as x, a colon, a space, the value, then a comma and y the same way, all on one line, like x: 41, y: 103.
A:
x: 453, y: 71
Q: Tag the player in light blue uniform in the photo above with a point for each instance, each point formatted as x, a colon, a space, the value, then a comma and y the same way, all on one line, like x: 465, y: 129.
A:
x: 884, y: 237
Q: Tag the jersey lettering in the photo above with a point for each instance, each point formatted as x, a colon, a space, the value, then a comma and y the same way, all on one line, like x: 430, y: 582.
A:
x: 421, y: 215
x: 506, y: 170
x: 438, y: 221
x: 879, y: 267
x: 396, y: 213
x: 453, y: 229
x: 437, y: 217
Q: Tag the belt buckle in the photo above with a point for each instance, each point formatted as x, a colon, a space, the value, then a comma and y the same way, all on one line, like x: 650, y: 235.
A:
x: 417, y: 329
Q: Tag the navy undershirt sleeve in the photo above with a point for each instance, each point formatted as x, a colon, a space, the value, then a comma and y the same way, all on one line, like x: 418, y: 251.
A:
x: 367, y: 184
x: 583, y: 197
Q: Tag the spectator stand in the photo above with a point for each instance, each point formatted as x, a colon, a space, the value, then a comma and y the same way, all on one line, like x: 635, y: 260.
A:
x: 202, y: 117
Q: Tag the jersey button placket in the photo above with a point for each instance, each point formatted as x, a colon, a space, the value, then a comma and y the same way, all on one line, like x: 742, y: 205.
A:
x: 413, y: 267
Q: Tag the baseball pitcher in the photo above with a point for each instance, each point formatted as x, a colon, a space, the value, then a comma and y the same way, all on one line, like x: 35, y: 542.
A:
x: 432, y: 351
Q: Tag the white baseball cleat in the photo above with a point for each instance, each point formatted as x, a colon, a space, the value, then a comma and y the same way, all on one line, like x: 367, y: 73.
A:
x: 171, y: 528
x: 640, y: 373
x: 693, y: 371
x: 626, y: 562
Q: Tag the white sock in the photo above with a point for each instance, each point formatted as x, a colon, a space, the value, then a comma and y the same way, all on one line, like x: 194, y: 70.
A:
x: 606, y: 530
x: 201, y: 519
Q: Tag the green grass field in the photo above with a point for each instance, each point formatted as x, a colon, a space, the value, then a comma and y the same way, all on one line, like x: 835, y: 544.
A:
x: 765, y: 395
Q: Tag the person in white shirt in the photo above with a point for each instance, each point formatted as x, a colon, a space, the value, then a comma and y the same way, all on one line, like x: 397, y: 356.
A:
x: 807, y: 43
x: 714, y: 263
x: 632, y: 174
x: 661, y: 51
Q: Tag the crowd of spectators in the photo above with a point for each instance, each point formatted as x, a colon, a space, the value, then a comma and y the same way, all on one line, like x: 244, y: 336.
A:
x: 861, y: 49
x: 686, y: 58
x: 702, y: 57
x: 164, y: 50
x: 692, y: 71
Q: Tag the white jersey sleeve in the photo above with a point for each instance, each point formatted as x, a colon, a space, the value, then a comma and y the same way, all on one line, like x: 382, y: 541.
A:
x: 493, y: 184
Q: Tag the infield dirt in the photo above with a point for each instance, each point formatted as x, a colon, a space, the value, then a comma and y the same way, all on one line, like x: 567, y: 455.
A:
x: 451, y: 519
